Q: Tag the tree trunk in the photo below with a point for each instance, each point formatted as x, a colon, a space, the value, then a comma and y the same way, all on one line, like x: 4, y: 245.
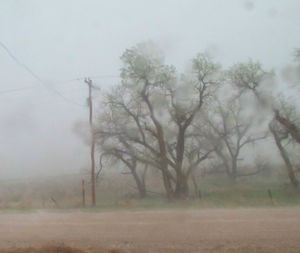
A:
x: 285, y: 157
x: 182, y: 186
x: 233, y: 173
x: 291, y: 127
x: 140, y: 185
x: 232, y: 178
x: 196, y: 187
x: 168, y: 186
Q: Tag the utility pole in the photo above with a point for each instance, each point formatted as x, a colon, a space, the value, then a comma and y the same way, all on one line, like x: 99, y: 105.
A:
x: 89, y: 82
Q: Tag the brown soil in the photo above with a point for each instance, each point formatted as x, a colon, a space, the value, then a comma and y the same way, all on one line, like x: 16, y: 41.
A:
x: 191, y: 230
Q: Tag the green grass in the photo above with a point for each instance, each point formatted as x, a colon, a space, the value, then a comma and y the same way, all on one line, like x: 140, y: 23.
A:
x: 213, y: 197
x: 112, y: 194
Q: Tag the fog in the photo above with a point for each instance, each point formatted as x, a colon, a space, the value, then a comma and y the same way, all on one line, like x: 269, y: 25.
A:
x: 61, y: 42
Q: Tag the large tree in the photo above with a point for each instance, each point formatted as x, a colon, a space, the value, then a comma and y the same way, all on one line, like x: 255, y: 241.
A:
x: 154, y: 108
x: 251, y: 77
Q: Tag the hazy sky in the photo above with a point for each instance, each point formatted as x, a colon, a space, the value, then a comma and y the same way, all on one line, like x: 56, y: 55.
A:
x: 64, y: 40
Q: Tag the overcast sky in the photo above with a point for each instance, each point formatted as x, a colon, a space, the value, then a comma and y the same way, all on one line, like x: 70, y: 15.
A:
x: 64, y: 40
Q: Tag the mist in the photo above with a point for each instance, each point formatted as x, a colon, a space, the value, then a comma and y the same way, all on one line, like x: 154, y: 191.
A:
x: 62, y: 42
x: 149, y: 126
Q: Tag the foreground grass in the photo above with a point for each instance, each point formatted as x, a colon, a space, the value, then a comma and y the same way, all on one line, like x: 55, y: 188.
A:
x: 59, y: 249
x: 214, y: 194
x: 66, y: 249
x: 216, y: 197
x: 45, y: 249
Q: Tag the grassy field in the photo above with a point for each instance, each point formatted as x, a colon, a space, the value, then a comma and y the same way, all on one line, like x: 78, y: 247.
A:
x: 219, y: 197
x: 113, y: 193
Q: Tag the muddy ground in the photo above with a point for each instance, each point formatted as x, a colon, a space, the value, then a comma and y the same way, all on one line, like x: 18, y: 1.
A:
x: 209, y: 229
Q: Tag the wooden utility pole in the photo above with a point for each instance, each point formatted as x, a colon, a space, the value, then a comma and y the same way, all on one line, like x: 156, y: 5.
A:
x: 89, y: 82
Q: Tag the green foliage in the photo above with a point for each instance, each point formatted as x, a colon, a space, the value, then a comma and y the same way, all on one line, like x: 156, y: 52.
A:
x: 205, y: 67
x: 144, y: 61
x: 248, y: 75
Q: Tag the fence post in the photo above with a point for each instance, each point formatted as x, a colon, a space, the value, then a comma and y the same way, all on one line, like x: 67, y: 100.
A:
x: 83, y: 192
x: 270, y: 196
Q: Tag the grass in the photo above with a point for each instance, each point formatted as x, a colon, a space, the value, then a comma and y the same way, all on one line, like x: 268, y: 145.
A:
x: 213, y: 197
x: 217, y: 192
x: 59, y: 249
x: 45, y: 249
x: 66, y: 249
x: 115, y: 194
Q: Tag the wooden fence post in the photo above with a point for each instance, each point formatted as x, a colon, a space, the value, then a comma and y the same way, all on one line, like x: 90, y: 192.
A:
x: 83, y: 192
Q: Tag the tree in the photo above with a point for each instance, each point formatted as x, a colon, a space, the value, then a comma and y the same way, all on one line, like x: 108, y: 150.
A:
x: 114, y: 141
x: 231, y: 131
x: 279, y: 135
x: 130, y: 161
x: 283, y: 137
x: 251, y: 77
x: 159, y: 109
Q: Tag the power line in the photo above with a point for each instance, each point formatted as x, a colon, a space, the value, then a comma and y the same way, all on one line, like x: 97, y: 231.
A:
x: 93, y: 77
x: 63, y: 82
x: 19, y: 63
x: 36, y: 76
x: 17, y: 89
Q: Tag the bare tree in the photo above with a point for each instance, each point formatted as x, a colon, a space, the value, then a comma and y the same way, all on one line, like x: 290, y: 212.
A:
x: 231, y: 132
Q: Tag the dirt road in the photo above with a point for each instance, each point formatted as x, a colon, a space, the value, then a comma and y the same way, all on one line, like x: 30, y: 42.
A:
x: 181, y: 229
